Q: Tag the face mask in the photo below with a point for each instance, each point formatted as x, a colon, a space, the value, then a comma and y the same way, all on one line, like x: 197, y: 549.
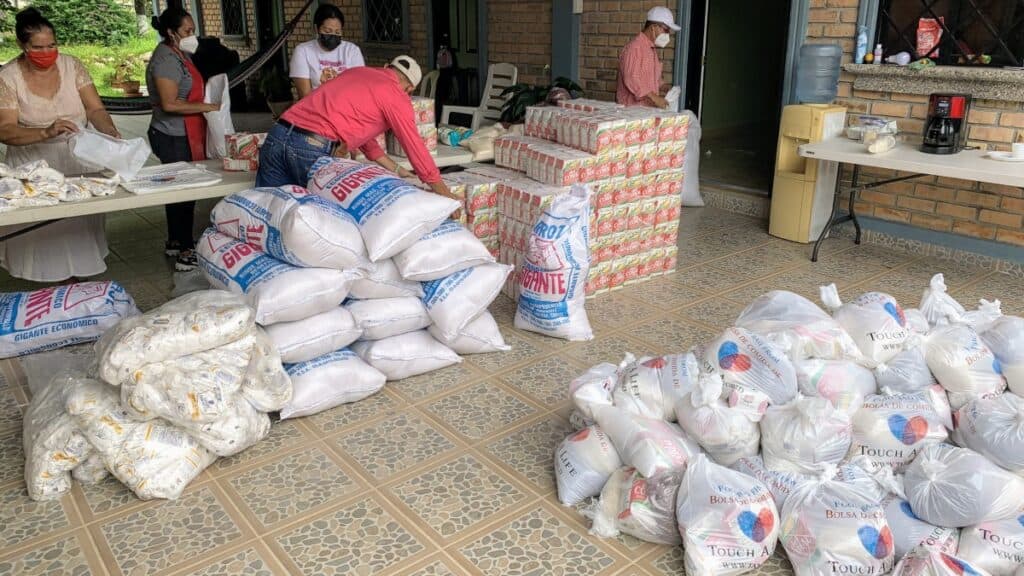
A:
x: 662, y: 40
x: 329, y: 41
x: 44, y: 59
x: 189, y: 44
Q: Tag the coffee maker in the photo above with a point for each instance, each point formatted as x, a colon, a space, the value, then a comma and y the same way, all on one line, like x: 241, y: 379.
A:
x: 945, y: 130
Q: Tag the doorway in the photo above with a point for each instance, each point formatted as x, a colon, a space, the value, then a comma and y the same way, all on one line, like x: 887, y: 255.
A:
x: 737, y: 88
x: 456, y: 28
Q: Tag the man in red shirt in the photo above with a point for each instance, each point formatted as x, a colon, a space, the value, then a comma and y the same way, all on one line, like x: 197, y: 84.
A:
x: 346, y: 114
x: 639, y: 66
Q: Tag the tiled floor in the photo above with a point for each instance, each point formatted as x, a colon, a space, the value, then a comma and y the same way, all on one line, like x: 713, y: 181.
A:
x: 447, y: 473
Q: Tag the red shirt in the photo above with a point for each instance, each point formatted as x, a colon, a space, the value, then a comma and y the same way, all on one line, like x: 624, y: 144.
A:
x: 639, y: 72
x: 357, y: 106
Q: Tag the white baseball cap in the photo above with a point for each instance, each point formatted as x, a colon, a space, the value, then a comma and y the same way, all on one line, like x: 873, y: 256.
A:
x: 662, y: 15
x: 406, y: 65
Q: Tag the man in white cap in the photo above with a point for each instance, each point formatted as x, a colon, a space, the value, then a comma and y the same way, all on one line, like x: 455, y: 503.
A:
x: 345, y: 114
x: 639, y: 65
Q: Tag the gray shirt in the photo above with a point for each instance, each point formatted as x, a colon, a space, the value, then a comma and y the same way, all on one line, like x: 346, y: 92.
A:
x: 166, y: 63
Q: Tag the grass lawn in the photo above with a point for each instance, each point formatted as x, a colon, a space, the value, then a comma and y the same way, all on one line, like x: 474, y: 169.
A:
x: 103, y: 61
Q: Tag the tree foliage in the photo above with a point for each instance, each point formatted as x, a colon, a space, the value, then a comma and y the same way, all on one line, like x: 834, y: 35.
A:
x: 103, y: 22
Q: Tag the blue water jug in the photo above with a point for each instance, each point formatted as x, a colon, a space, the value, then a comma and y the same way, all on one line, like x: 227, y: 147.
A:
x: 817, y: 73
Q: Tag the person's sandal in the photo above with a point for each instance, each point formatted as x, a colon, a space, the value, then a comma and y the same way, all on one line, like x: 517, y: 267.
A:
x: 186, y: 261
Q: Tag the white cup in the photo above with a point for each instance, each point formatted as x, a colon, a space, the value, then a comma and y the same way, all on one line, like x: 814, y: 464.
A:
x: 1017, y: 150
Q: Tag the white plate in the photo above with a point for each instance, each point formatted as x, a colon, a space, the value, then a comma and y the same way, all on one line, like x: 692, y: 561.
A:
x: 1003, y: 156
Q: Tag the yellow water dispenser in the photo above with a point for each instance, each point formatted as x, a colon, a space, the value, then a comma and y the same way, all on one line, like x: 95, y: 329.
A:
x: 803, y: 189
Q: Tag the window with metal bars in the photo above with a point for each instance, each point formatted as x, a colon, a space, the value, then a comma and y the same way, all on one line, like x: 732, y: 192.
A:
x: 973, y: 32
x: 386, y: 21
x: 233, y: 15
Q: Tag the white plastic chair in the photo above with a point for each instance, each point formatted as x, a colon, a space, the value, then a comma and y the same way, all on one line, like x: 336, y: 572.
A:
x: 428, y: 86
x: 499, y: 77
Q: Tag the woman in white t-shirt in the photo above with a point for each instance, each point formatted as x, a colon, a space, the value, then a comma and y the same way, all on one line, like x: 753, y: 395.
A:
x: 320, y: 60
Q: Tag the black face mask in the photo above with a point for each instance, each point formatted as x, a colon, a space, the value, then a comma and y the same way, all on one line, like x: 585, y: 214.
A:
x: 329, y: 41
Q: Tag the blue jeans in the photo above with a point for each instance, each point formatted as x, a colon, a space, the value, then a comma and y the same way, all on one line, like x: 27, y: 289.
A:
x: 286, y: 157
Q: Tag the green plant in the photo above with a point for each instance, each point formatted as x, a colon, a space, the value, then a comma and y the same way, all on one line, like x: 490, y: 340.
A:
x: 275, y: 85
x: 104, y: 22
x: 521, y: 96
x: 7, y: 20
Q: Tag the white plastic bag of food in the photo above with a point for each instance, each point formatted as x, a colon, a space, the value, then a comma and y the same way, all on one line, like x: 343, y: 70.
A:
x: 277, y: 291
x: 153, y: 459
x: 293, y: 226
x: 906, y: 373
x: 651, y: 446
x: 315, y: 336
x: 843, y: 383
x: 957, y: 487
x: 392, y: 214
x: 780, y: 484
x: 455, y: 301
x: 639, y: 506
x: 583, y: 463
x: 754, y: 371
x: 53, y: 445
x: 218, y: 122
x: 442, y: 252
x: 388, y: 317
x: 60, y: 316
x: 874, y: 320
x: 594, y: 388
x: 798, y: 327
x: 728, y: 520
x: 832, y: 526
x: 480, y: 336
x: 237, y: 428
x: 938, y: 307
x: 330, y: 380
x: 804, y: 435
x: 909, y: 531
x: 890, y: 430
x: 925, y: 561
x: 383, y: 281
x: 994, y: 427
x: 125, y: 157
x: 691, y: 163
x: 552, y: 280
x: 193, y: 323
x: 266, y: 385
x: 651, y: 387
x: 726, y: 433
x: 91, y: 471
x: 1005, y: 338
x: 406, y: 355
x: 996, y: 546
x: 963, y: 364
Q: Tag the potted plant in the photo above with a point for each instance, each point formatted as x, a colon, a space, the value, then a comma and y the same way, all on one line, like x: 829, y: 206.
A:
x: 277, y: 90
x: 521, y: 96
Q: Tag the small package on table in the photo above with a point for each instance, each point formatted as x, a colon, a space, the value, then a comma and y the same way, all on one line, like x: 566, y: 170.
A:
x: 244, y: 145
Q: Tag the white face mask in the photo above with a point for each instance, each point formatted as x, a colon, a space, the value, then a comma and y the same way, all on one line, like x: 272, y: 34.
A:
x: 189, y: 44
x: 662, y: 40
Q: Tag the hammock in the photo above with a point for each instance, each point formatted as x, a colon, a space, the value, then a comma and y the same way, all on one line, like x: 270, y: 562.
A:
x: 139, y: 105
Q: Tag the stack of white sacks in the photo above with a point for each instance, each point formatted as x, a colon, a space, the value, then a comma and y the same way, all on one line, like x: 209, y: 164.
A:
x: 170, y: 391
x: 869, y: 440
x: 358, y: 279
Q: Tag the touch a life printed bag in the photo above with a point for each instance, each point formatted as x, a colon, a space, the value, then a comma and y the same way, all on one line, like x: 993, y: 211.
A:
x: 651, y: 446
x: 583, y: 463
x: 441, y: 252
x: 996, y: 546
x: 728, y: 520
x: 843, y: 383
x: 906, y: 373
x: 552, y: 281
x: 924, y: 561
x: 804, y: 435
x: 406, y: 355
x: 832, y: 526
x: 909, y: 531
x: 957, y: 487
x: 651, y: 387
x: 60, y: 316
x: 53, y: 445
x: 797, y: 326
x: 480, y: 336
x: 874, y: 319
x: 754, y: 371
x: 963, y: 364
x: 994, y: 427
x: 315, y: 336
x: 1005, y: 338
x: 391, y: 213
x: 383, y: 281
x: 278, y: 292
x: 187, y: 325
x: 388, y: 316
x: 891, y: 430
x: 293, y: 226
x: 455, y: 301
x: 780, y: 484
x: 330, y: 380
x: 642, y: 507
x: 726, y: 433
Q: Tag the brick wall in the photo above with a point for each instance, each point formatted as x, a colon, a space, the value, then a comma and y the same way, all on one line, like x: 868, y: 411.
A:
x: 519, y: 32
x: 962, y: 207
